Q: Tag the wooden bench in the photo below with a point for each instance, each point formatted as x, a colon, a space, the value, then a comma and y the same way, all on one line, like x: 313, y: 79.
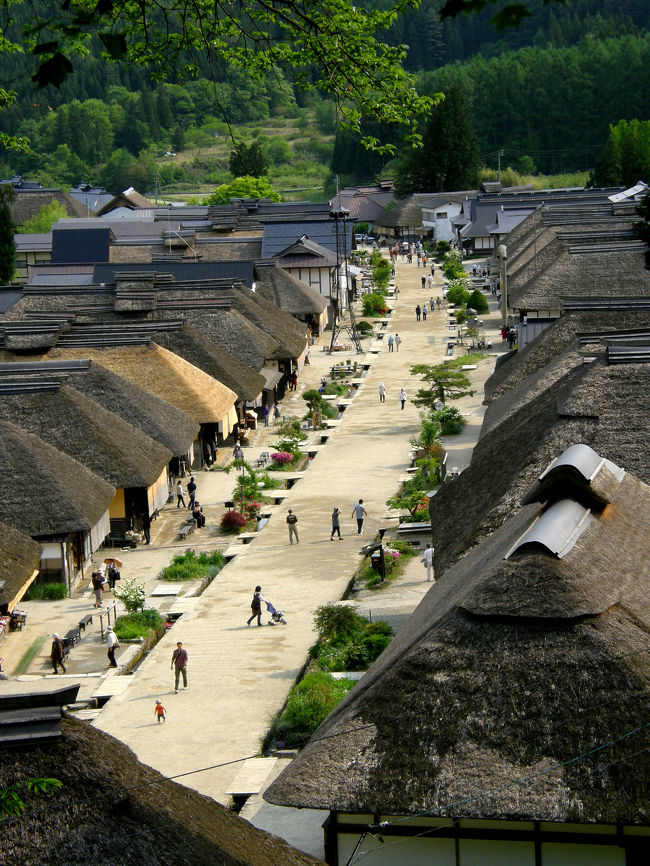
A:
x: 186, y: 530
x: 72, y: 637
x: 263, y: 459
x: 86, y: 620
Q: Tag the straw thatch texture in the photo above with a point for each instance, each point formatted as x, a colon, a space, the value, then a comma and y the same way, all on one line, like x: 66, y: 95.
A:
x: 606, y: 407
x: 173, y: 429
x: 114, y: 810
x: 506, y: 669
x: 230, y: 330
x: 287, y: 292
x: 553, y: 341
x: 109, y: 446
x: 19, y: 559
x: 28, y: 203
x: 290, y: 334
x: 213, y: 360
x: 46, y: 492
x: 164, y: 374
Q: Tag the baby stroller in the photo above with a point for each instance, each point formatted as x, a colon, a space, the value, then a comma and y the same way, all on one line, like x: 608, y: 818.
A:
x: 276, y: 615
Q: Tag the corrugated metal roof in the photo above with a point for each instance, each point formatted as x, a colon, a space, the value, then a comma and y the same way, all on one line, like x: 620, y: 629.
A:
x: 279, y: 235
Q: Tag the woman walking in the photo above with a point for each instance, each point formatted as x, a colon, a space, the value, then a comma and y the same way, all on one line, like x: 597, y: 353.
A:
x: 402, y: 397
x: 336, y: 524
x: 256, y: 606
x: 382, y: 392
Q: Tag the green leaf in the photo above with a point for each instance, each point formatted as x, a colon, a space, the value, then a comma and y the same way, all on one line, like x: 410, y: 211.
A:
x: 53, y: 71
x: 114, y: 43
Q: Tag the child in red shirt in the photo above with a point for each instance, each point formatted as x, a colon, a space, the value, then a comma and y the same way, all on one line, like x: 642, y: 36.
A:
x: 159, y: 711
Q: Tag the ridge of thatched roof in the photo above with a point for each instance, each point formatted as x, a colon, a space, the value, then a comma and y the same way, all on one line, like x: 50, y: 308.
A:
x: 213, y: 360
x: 287, y: 292
x: 48, y: 493
x: 289, y: 332
x: 19, y: 560
x: 164, y: 374
x: 28, y: 204
x: 605, y: 407
x: 112, y: 809
x: 109, y: 446
x: 554, y: 340
x: 507, y: 669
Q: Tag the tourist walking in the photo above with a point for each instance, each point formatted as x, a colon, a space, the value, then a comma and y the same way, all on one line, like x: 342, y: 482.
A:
x: 159, y: 711
x: 336, y: 524
x: 430, y: 283
x: 179, y: 664
x: 398, y: 340
x: 112, y: 644
x: 382, y: 392
x: 265, y: 412
x: 256, y: 606
x: 237, y: 453
x: 427, y: 561
x: 292, y: 522
x: 113, y: 574
x: 191, y: 492
x: 359, y: 512
x: 402, y: 397
x: 390, y: 342
x: 180, y: 499
x: 417, y: 313
x: 424, y: 312
x: 56, y: 653
x: 98, y: 583
x: 145, y: 522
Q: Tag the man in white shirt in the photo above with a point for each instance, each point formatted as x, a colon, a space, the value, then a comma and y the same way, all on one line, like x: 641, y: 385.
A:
x: 112, y: 643
x: 359, y: 512
x: 427, y: 560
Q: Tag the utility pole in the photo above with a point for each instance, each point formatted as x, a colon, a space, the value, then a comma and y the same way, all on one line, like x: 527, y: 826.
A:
x: 339, y: 295
x: 499, y: 155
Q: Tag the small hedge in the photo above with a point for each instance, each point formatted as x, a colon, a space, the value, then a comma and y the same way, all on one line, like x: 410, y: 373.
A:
x: 55, y: 591
x: 233, y: 521
x: 189, y: 566
x: 310, y: 702
x: 132, y: 626
x: 346, y: 640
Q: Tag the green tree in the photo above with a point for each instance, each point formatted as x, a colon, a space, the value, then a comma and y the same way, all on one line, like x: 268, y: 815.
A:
x: 449, y: 157
x: 477, y: 302
x: 625, y: 159
x: 642, y: 227
x: 442, y: 382
x: 7, y: 245
x: 243, y: 187
x: 44, y: 219
x: 247, y: 161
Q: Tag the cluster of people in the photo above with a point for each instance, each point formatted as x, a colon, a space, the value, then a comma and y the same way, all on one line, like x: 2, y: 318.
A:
x: 509, y: 334
x: 394, y: 342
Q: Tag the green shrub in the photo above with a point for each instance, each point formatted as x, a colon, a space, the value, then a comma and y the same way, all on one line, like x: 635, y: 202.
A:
x: 442, y: 248
x: 452, y: 267
x: 337, y: 388
x: 374, y: 304
x: 47, y: 591
x: 457, y: 294
x: 451, y: 420
x: 364, y: 327
x: 477, y: 301
x: 138, y: 624
x: 310, y: 702
x: 189, y: 566
x: 346, y: 640
x: 403, y: 547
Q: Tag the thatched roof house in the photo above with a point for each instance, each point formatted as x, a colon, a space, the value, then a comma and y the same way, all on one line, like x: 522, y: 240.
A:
x: 28, y: 203
x: 113, y: 810
x: 287, y: 292
x: 164, y: 374
x: 290, y: 334
x: 605, y: 406
x: 520, y: 686
x: 101, y: 440
x: 19, y: 559
x: 47, y: 492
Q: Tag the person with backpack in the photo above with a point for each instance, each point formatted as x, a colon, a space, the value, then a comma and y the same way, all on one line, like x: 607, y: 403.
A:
x: 256, y: 606
x: 57, y: 653
x: 191, y: 490
x: 292, y: 522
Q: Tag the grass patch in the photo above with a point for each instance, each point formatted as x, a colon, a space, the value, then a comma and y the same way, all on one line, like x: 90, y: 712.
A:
x: 55, y: 591
x: 473, y: 358
x: 394, y: 563
x: 142, y: 623
x: 23, y: 665
x: 189, y: 566
x: 310, y: 702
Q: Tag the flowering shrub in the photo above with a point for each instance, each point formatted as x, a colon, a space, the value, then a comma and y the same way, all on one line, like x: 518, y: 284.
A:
x: 282, y: 457
x: 233, y: 521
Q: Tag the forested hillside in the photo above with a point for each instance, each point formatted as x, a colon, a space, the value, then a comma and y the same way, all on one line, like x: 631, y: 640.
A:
x: 545, y: 94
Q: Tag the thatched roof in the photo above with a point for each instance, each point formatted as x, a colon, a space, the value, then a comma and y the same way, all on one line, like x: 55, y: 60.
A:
x: 231, y: 330
x: 406, y: 213
x: 606, y: 407
x: 213, y: 360
x: 164, y: 374
x: 507, y: 668
x: 287, y: 292
x: 47, y: 492
x: 28, y: 203
x: 290, y: 334
x: 553, y: 341
x: 111, y: 809
x: 109, y: 446
x: 19, y: 560
x: 173, y: 429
